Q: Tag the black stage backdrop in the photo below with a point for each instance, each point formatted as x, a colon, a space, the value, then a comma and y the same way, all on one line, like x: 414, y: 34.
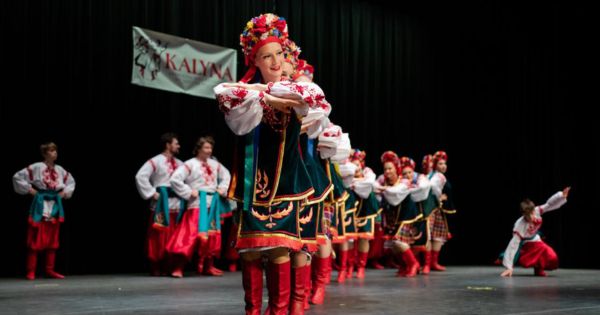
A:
x: 506, y: 89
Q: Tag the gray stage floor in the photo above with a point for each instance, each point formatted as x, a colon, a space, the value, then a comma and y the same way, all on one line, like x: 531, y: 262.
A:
x: 460, y: 290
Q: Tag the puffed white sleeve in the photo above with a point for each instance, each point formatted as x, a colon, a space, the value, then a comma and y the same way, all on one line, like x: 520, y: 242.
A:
x: 329, y: 140
x: 364, y: 186
x: 394, y: 195
x: 69, y: 182
x: 142, y: 181
x: 511, y: 251
x: 178, y: 184
x: 343, y: 150
x: 21, y: 181
x: 421, y: 191
x: 317, y: 126
x: 347, y: 171
x: 310, y: 93
x: 437, y: 184
x: 556, y: 201
x: 223, y: 177
x: 243, y: 108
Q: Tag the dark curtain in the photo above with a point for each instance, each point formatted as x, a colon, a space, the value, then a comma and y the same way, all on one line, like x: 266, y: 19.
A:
x: 506, y: 89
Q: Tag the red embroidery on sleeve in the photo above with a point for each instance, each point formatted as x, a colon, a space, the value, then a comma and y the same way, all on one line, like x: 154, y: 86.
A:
x: 153, y: 165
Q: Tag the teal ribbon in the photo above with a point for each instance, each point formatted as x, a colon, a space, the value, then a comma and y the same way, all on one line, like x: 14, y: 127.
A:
x: 36, y: 210
x: 203, y: 214
x: 249, y: 172
x: 218, y: 206
x: 162, y: 204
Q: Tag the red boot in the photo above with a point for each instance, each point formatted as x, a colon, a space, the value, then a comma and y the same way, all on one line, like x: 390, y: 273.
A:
x: 343, y: 263
x: 350, y: 263
x: 31, y: 264
x: 252, y: 281
x: 50, y: 259
x: 177, y: 272
x: 178, y: 263
x: 335, y: 263
x: 308, y: 288
x: 232, y: 267
x: 319, y: 279
x: 376, y: 265
x: 412, y: 265
x: 278, y: 283
x: 299, y: 291
x: 539, y: 272
x: 434, y: 262
x: 328, y: 269
x: 426, y: 263
x: 418, y: 252
x: 401, y: 265
x: 210, y: 269
x: 200, y: 265
x: 362, y: 264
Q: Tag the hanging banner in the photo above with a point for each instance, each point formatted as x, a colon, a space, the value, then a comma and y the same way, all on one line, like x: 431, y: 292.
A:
x: 176, y: 64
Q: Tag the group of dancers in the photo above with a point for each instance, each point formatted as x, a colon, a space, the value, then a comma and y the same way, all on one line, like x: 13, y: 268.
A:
x: 298, y: 193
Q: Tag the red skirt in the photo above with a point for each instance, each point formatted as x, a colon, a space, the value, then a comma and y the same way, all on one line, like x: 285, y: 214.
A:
x: 157, y: 238
x: 538, y: 255
x: 43, y: 235
x: 185, y: 238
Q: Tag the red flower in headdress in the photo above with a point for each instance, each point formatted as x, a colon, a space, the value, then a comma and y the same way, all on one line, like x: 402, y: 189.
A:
x: 391, y: 156
x: 280, y: 24
x: 304, y: 69
x: 260, y: 22
x: 405, y: 162
x: 438, y: 156
x: 359, y: 156
x: 262, y: 29
x: 291, y: 52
